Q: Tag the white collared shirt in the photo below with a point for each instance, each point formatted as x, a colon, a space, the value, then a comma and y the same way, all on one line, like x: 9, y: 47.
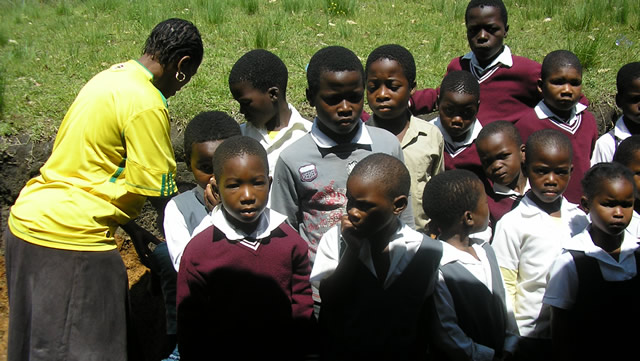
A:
x: 296, y: 129
x: 269, y: 220
x: 403, y: 245
x: 562, y: 289
x: 452, y: 147
x: 504, y: 59
x: 506, y: 191
x: 571, y: 125
x: 324, y: 141
x: 607, y: 144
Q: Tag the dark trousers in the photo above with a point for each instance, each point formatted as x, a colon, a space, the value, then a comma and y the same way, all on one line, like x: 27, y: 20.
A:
x: 65, y: 305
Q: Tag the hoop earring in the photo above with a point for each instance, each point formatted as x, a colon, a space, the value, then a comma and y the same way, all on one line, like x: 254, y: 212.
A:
x: 180, y: 76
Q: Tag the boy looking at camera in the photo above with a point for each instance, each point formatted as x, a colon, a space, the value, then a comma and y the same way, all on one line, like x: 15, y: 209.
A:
x: 391, y: 79
x: 258, y: 82
x: 530, y: 237
x: 507, y: 82
x: 245, y: 273
x: 375, y: 274
x: 560, y: 84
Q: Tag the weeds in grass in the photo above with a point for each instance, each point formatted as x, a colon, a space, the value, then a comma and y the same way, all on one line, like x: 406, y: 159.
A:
x: 263, y: 36
x: 586, y: 50
x: 213, y: 11
x: 580, y: 19
x: 340, y: 7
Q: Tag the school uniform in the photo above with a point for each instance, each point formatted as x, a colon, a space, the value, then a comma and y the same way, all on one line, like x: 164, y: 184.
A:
x: 501, y: 200
x: 275, y: 142
x: 601, y: 295
x: 423, y: 148
x: 462, y: 154
x: 526, y: 241
x: 242, y: 295
x: 608, y: 143
x: 508, y: 87
x: 376, y: 319
x: 580, y: 128
x: 478, y: 330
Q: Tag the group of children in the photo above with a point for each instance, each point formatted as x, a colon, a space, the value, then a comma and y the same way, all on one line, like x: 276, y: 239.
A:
x: 483, y: 234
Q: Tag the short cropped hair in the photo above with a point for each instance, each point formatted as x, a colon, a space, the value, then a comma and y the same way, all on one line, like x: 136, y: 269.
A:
x: 501, y: 126
x: 601, y: 172
x: 460, y: 81
x: 397, y: 53
x: 492, y: 3
x: 385, y: 170
x: 547, y: 139
x: 207, y: 127
x: 627, y: 149
x: 627, y: 74
x: 173, y: 39
x: 262, y: 69
x: 238, y: 146
x: 449, y: 194
x: 559, y: 59
x: 331, y: 59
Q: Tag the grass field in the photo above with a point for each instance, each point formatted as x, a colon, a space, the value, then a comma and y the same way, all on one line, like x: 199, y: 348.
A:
x: 49, y: 49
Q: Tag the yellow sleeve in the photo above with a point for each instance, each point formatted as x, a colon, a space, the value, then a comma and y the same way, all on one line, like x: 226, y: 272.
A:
x: 150, y: 165
x: 510, y: 278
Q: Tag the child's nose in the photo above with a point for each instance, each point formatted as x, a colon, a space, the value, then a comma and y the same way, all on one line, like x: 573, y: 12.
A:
x: 383, y: 93
x: 246, y: 195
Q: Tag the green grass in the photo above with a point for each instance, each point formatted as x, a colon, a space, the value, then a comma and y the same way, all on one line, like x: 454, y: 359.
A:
x: 49, y: 49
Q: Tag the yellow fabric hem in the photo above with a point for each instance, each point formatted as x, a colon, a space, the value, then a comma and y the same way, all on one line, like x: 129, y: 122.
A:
x: 26, y: 236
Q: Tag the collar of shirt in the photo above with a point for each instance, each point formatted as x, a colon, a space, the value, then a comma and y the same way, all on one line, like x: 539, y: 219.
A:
x: 504, y: 58
x: 625, y: 265
x: 296, y: 122
x: 324, y: 141
x: 472, y: 134
x: 269, y: 220
x: 480, y: 268
x: 506, y: 191
x: 543, y: 112
x: 403, y: 245
x: 620, y: 131
x: 531, y: 209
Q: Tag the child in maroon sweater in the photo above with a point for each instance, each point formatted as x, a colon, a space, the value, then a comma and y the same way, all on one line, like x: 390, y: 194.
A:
x: 243, y: 283
x: 501, y: 152
x: 458, y: 106
x: 507, y: 82
x: 560, y: 109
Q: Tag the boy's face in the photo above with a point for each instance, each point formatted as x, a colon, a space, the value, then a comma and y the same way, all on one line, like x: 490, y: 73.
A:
x: 501, y: 158
x: 201, y: 161
x: 629, y: 102
x: 611, y: 208
x: 561, y: 90
x: 485, y: 32
x: 457, y: 113
x: 244, y: 190
x: 338, y: 102
x: 549, y: 172
x: 258, y: 107
x: 369, y: 208
x: 388, y: 90
x: 481, y: 212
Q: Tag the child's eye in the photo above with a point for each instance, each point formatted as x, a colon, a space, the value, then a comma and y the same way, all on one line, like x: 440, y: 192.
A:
x: 576, y: 82
x: 355, y: 98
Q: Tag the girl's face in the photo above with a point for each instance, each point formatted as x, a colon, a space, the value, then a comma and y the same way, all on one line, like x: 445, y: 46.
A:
x: 612, y: 206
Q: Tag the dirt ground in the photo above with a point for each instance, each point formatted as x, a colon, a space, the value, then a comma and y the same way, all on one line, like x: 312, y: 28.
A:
x: 20, y: 160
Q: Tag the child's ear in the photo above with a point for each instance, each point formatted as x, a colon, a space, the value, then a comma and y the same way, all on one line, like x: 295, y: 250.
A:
x: 584, y: 202
x: 618, y: 100
x: 523, y: 155
x: 506, y: 30
x: 214, y: 185
x: 310, y: 98
x: 400, y: 204
x: 539, y: 82
x: 467, y: 219
x: 274, y: 94
x: 270, y: 182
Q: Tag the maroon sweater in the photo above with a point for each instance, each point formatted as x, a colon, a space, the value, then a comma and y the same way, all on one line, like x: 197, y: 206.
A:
x: 466, y: 159
x: 234, y: 301
x: 506, y: 95
x: 583, y: 141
